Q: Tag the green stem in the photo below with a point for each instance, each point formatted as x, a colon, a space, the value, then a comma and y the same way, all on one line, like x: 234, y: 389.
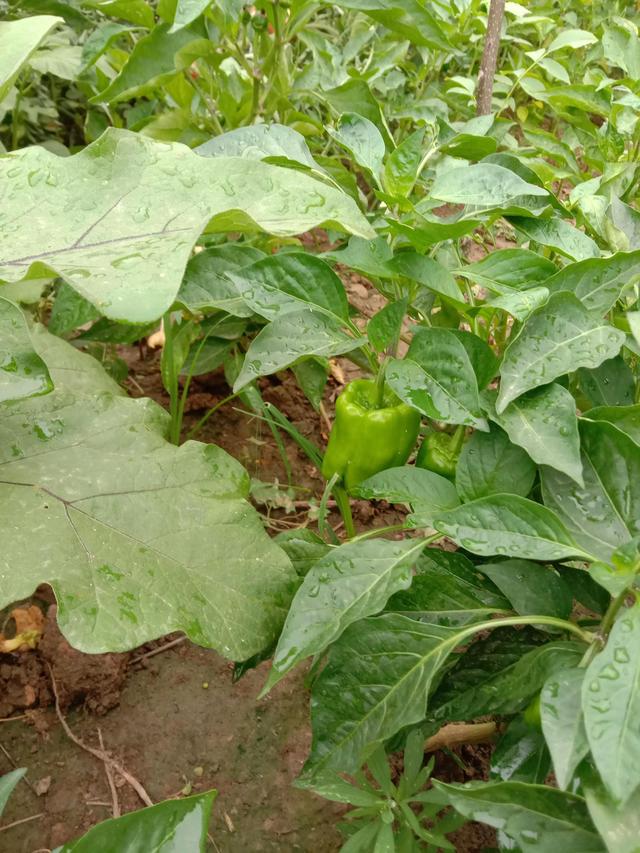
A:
x: 605, y: 627
x: 172, y: 380
x: 394, y: 528
x: 344, y: 505
x: 490, y: 624
x: 457, y: 439
x: 380, y: 383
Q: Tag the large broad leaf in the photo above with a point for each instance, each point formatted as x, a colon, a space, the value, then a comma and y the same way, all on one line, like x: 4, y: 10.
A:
x: 507, y: 269
x: 169, y: 827
x: 611, y: 706
x: 490, y: 464
x: 537, y: 815
x: 530, y: 587
x: 438, y: 379
x: 610, y: 384
x: 448, y: 590
x: 288, y: 282
x: 351, y: 582
x: 500, y: 673
x: 376, y: 681
x: 556, y: 339
x: 544, y: 422
x: 509, y: 525
x: 563, y: 723
x: 118, y: 221
x: 597, y: 282
x: 274, y: 142
x: 605, y: 512
x: 22, y: 372
x: 18, y: 40
x: 290, y: 337
x: 138, y: 538
x: 426, y: 493
x: 7, y: 783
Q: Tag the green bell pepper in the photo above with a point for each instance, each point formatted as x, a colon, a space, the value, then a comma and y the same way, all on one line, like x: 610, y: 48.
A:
x: 367, y: 438
x: 439, y: 452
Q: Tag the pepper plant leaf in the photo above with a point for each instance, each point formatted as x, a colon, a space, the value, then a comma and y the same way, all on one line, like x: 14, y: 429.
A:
x: 425, y: 491
x: 556, y: 339
x: 22, y: 372
x: 138, y: 538
x: 187, y: 11
x: 133, y: 210
x: 611, y: 707
x: 349, y: 583
x: 619, y: 826
x: 490, y: 464
x: 178, y: 824
x: 530, y: 587
x: 605, y: 512
x: 544, y: 422
x: 563, y: 723
x: 552, y: 819
x: 509, y: 525
x: 7, y: 783
x: 597, y: 282
x: 18, y: 40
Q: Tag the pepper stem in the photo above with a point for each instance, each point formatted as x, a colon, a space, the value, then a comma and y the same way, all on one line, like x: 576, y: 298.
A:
x: 380, y: 382
x: 457, y: 439
x: 344, y: 505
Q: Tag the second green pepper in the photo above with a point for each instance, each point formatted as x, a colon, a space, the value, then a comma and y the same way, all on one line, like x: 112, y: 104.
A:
x: 439, y: 452
x: 365, y: 438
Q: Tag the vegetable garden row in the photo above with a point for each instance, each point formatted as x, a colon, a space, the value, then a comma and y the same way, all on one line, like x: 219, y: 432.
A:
x: 214, y: 175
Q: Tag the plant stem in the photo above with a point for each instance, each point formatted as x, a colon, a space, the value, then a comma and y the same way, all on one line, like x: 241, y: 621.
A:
x: 344, y: 505
x: 504, y: 622
x: 605, y: 627
x: 390, y: 528
x: 380, y: 383
x: 172, y: 380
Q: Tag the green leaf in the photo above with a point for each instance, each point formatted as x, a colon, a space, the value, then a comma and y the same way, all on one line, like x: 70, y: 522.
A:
x: 312, y: 375
x: 621, y: 45
x: 500, y: 673
x: 484, y: 185
x: 521, y: 755
x: 401, y: 166
x: 18, y: 40
x: 69, y: 311
x: 180, y: 824
x: 520, y: 303
x: 303, y: 547
x: 135, y: 11
x: 291, y: 281
x: 507, y: 269
x: 426, y: 492
x: 447, y: 590
x: 274, y: 142
x: 559, y: 235
x: 133, y: 211
x: 563, y: 723
x: 619, y: 827
x: 408, y: 18
x: 490, y: 464
x: 571, y: 38
x: 383, y: 329
x: 349, y: 583
x: 428, y: 273
x: 511, y: 525
x: 363, y: 141
x: 289, y: 337
x: 355, y: 96
x: 206, y: 285
x: 605, y: 512
x: 556, y: 339
x: 530, y: 587
x: 529, y: 814
x: 580, y: 97
x: 7, y: 783
x: 137, y: 537
x: 597, y: 282
x: 611, y: 707
x: 437, y: 378
x: 624, y: 418
x: 154, y: 60
x: 22, y: 372
x: 356, y: 703
x: 612, y: 383
x: 545, y: 424
x: 187, y: 11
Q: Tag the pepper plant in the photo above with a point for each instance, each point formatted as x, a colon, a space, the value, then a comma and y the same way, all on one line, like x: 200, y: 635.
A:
x: 498, y: 407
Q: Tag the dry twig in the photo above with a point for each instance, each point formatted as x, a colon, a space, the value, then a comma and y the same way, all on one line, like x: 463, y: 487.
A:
x: 112, y: 785
x: 456, y: 734
x: 19, y: 822
x: 158, y: 650
x: 98, y: 753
